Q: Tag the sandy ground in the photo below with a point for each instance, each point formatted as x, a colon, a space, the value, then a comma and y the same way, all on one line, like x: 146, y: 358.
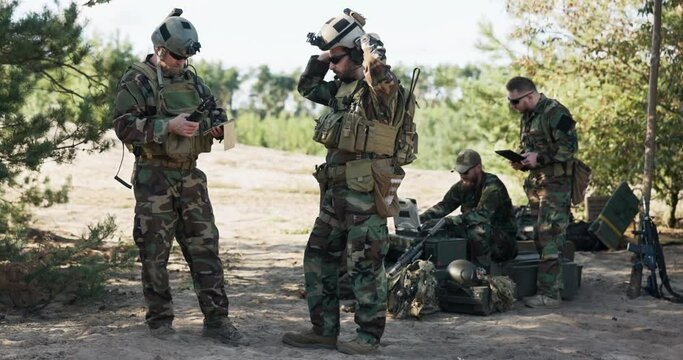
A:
x: 265, y: 202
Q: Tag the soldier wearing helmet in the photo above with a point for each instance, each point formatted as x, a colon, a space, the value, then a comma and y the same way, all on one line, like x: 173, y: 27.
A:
x: 362, y: 99
x: 486, y: 218
x: 155, y: 98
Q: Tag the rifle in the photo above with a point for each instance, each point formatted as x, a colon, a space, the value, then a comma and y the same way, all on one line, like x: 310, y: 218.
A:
x: 414, y: 251
x: 648, y: 253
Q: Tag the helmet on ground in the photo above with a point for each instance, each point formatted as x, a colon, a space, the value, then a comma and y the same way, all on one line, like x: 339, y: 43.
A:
x: 177, y: 35
x: 341, y: 30
x: 463, y: 272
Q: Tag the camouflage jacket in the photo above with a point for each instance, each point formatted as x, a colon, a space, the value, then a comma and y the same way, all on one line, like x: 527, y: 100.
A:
x: 136, y: 121
x: 550, y: 131
x: 489, y: 202
x: 377, y: 97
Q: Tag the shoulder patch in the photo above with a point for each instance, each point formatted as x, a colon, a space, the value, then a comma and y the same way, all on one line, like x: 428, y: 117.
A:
x: 566, y: 123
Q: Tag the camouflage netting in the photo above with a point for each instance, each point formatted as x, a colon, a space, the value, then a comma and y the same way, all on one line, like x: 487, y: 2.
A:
x: 502, y: 292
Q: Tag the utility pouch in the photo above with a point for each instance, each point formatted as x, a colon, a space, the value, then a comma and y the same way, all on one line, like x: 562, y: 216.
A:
x: 327, y: 129
x: 359, y: 175
x: 581, y: 174
x: 353, y: 133
x: 381, y: 138
x: 387, y: 179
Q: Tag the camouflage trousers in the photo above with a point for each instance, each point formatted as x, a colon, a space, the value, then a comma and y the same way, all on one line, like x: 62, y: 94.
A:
x: 348, y: 221
x: 175, y: 203
x: 549, y: 199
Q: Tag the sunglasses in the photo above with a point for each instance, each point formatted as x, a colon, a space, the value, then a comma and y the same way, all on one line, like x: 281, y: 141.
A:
x: 176, y: 56
x: 517, y: 100
x: 336, y: 59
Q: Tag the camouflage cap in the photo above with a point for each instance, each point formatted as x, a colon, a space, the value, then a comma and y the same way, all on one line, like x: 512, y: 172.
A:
x: 465, y: 160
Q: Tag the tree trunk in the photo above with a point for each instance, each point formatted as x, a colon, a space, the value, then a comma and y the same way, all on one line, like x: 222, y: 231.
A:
x: 674, y: 203
x: 650, y: 133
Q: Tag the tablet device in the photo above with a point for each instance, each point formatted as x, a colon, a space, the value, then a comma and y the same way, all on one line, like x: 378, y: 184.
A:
x: 510, y: 155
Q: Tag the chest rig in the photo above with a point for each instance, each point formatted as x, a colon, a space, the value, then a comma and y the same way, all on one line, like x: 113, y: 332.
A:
x: 182, y: 94
x: 347, y: 127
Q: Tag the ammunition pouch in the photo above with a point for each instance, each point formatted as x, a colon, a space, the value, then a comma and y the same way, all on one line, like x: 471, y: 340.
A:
x: 327, y: 128
x: 387, y: 179
x: 350, y: 131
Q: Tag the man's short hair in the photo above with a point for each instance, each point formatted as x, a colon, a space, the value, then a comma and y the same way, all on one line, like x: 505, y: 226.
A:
x: 521, y: 84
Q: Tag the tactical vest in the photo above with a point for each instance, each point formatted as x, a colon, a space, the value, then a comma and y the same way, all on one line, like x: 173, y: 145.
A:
x: 172, y: 99
x: 347, y: 128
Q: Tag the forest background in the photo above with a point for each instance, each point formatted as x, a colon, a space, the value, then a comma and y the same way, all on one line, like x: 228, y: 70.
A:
x: 593, y: 56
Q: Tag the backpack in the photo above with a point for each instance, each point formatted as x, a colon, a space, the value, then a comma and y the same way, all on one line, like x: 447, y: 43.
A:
x: 406, y: 139
x: 412, y: 292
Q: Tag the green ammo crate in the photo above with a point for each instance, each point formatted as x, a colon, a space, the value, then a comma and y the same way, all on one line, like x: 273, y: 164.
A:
x: 615, y: 217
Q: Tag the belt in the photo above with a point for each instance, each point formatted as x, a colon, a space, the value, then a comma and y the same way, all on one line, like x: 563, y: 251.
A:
x: 552, y: 170
x: 168, y: 163
x: 336, y: 172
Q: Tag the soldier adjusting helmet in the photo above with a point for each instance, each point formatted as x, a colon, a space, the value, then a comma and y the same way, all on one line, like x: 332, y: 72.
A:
x: 341, y: 30
x: 177, y: 35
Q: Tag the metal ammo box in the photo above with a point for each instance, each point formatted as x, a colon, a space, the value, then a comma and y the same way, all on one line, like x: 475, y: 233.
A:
x: 474, y: 300
x: 524, y: 268
x: 441, y: 250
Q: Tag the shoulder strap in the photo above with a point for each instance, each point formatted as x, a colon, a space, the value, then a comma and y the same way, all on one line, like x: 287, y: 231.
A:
x: 150, y: 76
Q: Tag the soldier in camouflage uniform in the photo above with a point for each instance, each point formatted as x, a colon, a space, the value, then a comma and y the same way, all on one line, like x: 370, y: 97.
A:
x: 363, y: 88
x: 486, y: 218
x: 154, y: 100
x: 548, y: 144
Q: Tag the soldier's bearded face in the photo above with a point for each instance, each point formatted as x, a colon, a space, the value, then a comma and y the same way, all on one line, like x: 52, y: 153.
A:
x: 344, y: 68
x: 471, y: 178
x: 171, y: 66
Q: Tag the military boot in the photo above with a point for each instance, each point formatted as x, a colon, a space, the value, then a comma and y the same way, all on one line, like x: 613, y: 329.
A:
x: 542, y: 301
x: 357, y: 347
x: 224, y: 331
x: 310, y: 340
x: 164, y: 332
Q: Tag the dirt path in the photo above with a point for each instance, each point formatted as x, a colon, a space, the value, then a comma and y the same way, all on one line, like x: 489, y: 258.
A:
x: 265, y: 203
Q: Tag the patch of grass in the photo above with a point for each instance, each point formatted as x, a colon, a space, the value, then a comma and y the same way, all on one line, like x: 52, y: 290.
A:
x: 302, y: 231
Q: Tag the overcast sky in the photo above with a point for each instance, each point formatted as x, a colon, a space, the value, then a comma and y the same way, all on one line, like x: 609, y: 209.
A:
x: 252, y: 32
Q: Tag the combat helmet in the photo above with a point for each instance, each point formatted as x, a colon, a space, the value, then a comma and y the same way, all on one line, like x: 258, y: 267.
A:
x: 340, y: 30
x: 463, y: 272
x: 177, y: 34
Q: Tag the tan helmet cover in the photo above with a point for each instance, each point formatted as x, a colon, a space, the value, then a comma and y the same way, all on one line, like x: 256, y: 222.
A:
x: 341, y: 30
